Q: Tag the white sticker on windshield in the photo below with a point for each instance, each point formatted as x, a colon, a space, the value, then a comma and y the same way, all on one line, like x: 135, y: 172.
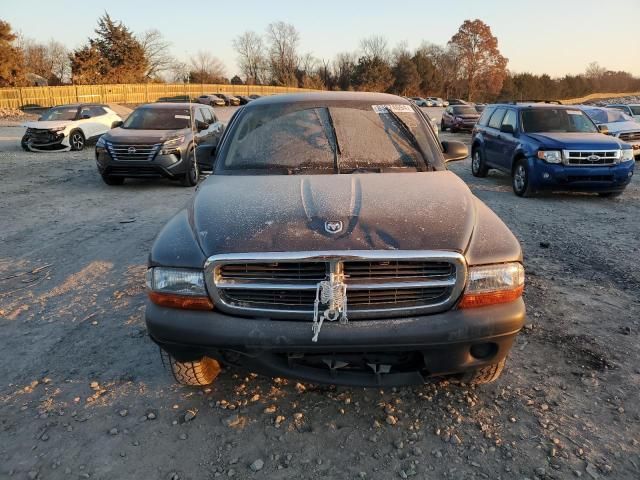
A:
x: 186, y: 117
x: 395, y: 108
x: 574, y: 112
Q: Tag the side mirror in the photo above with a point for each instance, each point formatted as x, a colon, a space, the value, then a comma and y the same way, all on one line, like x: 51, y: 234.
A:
x: 454, y: 151
x: 117, y: 124
x: 603, y: 129
x: 200, y: 125
x: 507, y: 129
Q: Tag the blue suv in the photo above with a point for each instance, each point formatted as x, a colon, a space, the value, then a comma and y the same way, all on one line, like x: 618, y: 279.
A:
x: 549, y: 147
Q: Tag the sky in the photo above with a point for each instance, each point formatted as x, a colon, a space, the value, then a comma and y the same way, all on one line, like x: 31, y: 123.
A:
x: 542, y: 36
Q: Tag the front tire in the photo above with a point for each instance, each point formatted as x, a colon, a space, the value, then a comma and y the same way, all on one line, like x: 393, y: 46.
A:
x: 483, y: 375
x: 192, y: 175
x: 110, y: 180
x: 520, y: 179
x: 23, y: 144
x: 77, y: 140
x: 197, y: 373
x: 443, y: 127
x: 478, y: 166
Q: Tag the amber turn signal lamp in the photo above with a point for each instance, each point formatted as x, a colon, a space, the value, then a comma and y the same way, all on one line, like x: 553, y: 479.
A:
x: 186, y: 302
x: 471, y: 300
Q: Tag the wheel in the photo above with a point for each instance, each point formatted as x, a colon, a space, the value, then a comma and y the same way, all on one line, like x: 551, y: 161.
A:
x: 196, y: 373
x: 443, y: 127
x: 520, y: 179
x: 610, y: 194
x: 110, y: 180
x: 478, y: 167
x: 192, y: 175
x: 23, y: 144
x: 76, y: 140
x: 454, y: 130
x: 479, y: 376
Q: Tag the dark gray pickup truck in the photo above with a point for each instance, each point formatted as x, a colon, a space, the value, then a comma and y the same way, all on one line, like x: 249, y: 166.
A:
x: 332, y: 245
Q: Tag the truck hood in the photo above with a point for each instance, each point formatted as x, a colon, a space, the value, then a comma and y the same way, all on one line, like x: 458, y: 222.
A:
x: 48, y: 124
x: 619, y: 127
x: 128, y: 135
x: 412, y: 211
x: 577, y: 141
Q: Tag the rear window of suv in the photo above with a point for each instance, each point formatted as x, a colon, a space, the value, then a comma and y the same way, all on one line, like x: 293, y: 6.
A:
x: 486, y: 115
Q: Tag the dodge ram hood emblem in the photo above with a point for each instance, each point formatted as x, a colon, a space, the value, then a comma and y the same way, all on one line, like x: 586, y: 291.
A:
x: 333, y: 226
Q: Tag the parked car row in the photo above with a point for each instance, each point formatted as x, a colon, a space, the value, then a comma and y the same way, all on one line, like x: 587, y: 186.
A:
x: 222, y: 99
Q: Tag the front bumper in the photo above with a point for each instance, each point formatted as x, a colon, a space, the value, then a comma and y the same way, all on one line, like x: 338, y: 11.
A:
x: 357, y: 353
x: 546, y: 176
x: 46, y: 141
x: 169, y: 166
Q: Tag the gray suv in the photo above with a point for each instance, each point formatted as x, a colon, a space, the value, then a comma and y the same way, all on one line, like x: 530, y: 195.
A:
x: 160, y: 140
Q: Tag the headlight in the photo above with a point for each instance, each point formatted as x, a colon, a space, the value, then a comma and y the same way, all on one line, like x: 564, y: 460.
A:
x: 178, y: 288
x: 491, y: 284
x: 56, y: 129
x: 550, y: 156
x: 101, y: 143
x: 627, y: 155
x: 172, y: 144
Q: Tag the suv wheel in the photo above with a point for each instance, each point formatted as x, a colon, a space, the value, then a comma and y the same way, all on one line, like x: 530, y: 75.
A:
x: 109, y: 180
x: 443, y: 127
x: 487, y: 374
x: 192, y: 174
x: 196, y: 373
x: 478, y: 167
x: 23, y: 144
x: 520, y: 179
x: 76, y: 140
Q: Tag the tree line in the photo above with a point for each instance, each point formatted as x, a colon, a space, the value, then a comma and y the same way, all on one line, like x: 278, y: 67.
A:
x: 469, y: 66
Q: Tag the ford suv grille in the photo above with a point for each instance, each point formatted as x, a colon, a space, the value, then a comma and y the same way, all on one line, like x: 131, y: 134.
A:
x: 379, y: 283
x: 591, y: 158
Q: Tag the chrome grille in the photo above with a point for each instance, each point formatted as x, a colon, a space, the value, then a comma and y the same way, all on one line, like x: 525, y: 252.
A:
x: 379, y: 283
x: 630, y: 136
x: 132, y: 153
x: 591, y: 157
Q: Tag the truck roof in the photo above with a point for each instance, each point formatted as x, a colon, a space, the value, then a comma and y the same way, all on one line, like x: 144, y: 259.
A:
x: 320, y: 98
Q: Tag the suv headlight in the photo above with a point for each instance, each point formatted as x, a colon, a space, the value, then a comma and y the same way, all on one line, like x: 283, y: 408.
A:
x: 172, y: 144
x: 627, y: 155
x: 56, y: 129
x: 101, y: 143
x: 178, y: 288
x: 550, y: 156
x: 491, y: 284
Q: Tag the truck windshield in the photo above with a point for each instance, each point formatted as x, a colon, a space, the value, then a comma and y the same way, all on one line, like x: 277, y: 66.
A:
x: 607, y: 115
x: 308, y: 140
x: 560, y: 120
x: 158, y: 119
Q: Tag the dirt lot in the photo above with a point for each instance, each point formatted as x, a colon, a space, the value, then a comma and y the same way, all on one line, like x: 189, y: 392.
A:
x: 83, y: 393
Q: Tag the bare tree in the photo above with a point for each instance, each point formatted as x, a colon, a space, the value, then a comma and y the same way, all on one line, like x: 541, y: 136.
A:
x: 343, y: 68
x: 375, y: 46
x: 250, y: 49
x: 205, y: 68
x: 179, y: 72
x: 283, y: 39
x: 156, y: 50
x: 59, y: 61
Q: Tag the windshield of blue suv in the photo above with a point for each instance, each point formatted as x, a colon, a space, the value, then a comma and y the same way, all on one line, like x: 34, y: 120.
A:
x: 154, y: 118
x: 60, y: 113
x: 561, y: 120
x: 607, y: 115
x: 315, y: 140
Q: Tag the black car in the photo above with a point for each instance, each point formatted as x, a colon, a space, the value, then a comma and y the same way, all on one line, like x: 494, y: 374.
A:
x: 456, y: 101
x: 459, y: 117
x: 159, y: 140
x: 331, y: 244
x: 254, y: 96
x: 244, y: 99
x: 229, y: 100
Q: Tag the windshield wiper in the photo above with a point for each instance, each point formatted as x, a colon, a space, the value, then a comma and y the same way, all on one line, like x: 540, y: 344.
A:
x: 412, y: 137
x: 336, y: 152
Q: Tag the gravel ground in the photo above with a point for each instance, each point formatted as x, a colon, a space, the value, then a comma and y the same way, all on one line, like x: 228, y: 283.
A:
x: 83, y: 393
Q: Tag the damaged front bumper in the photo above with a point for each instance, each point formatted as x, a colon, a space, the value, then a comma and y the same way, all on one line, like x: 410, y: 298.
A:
x: 382, y: 352
x: 45, y: 141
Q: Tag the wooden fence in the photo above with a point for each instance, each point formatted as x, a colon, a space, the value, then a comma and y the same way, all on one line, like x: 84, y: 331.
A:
x: 35, y: 97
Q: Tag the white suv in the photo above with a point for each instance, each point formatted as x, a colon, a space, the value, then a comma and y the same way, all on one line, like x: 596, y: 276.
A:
x: 68, y: 127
